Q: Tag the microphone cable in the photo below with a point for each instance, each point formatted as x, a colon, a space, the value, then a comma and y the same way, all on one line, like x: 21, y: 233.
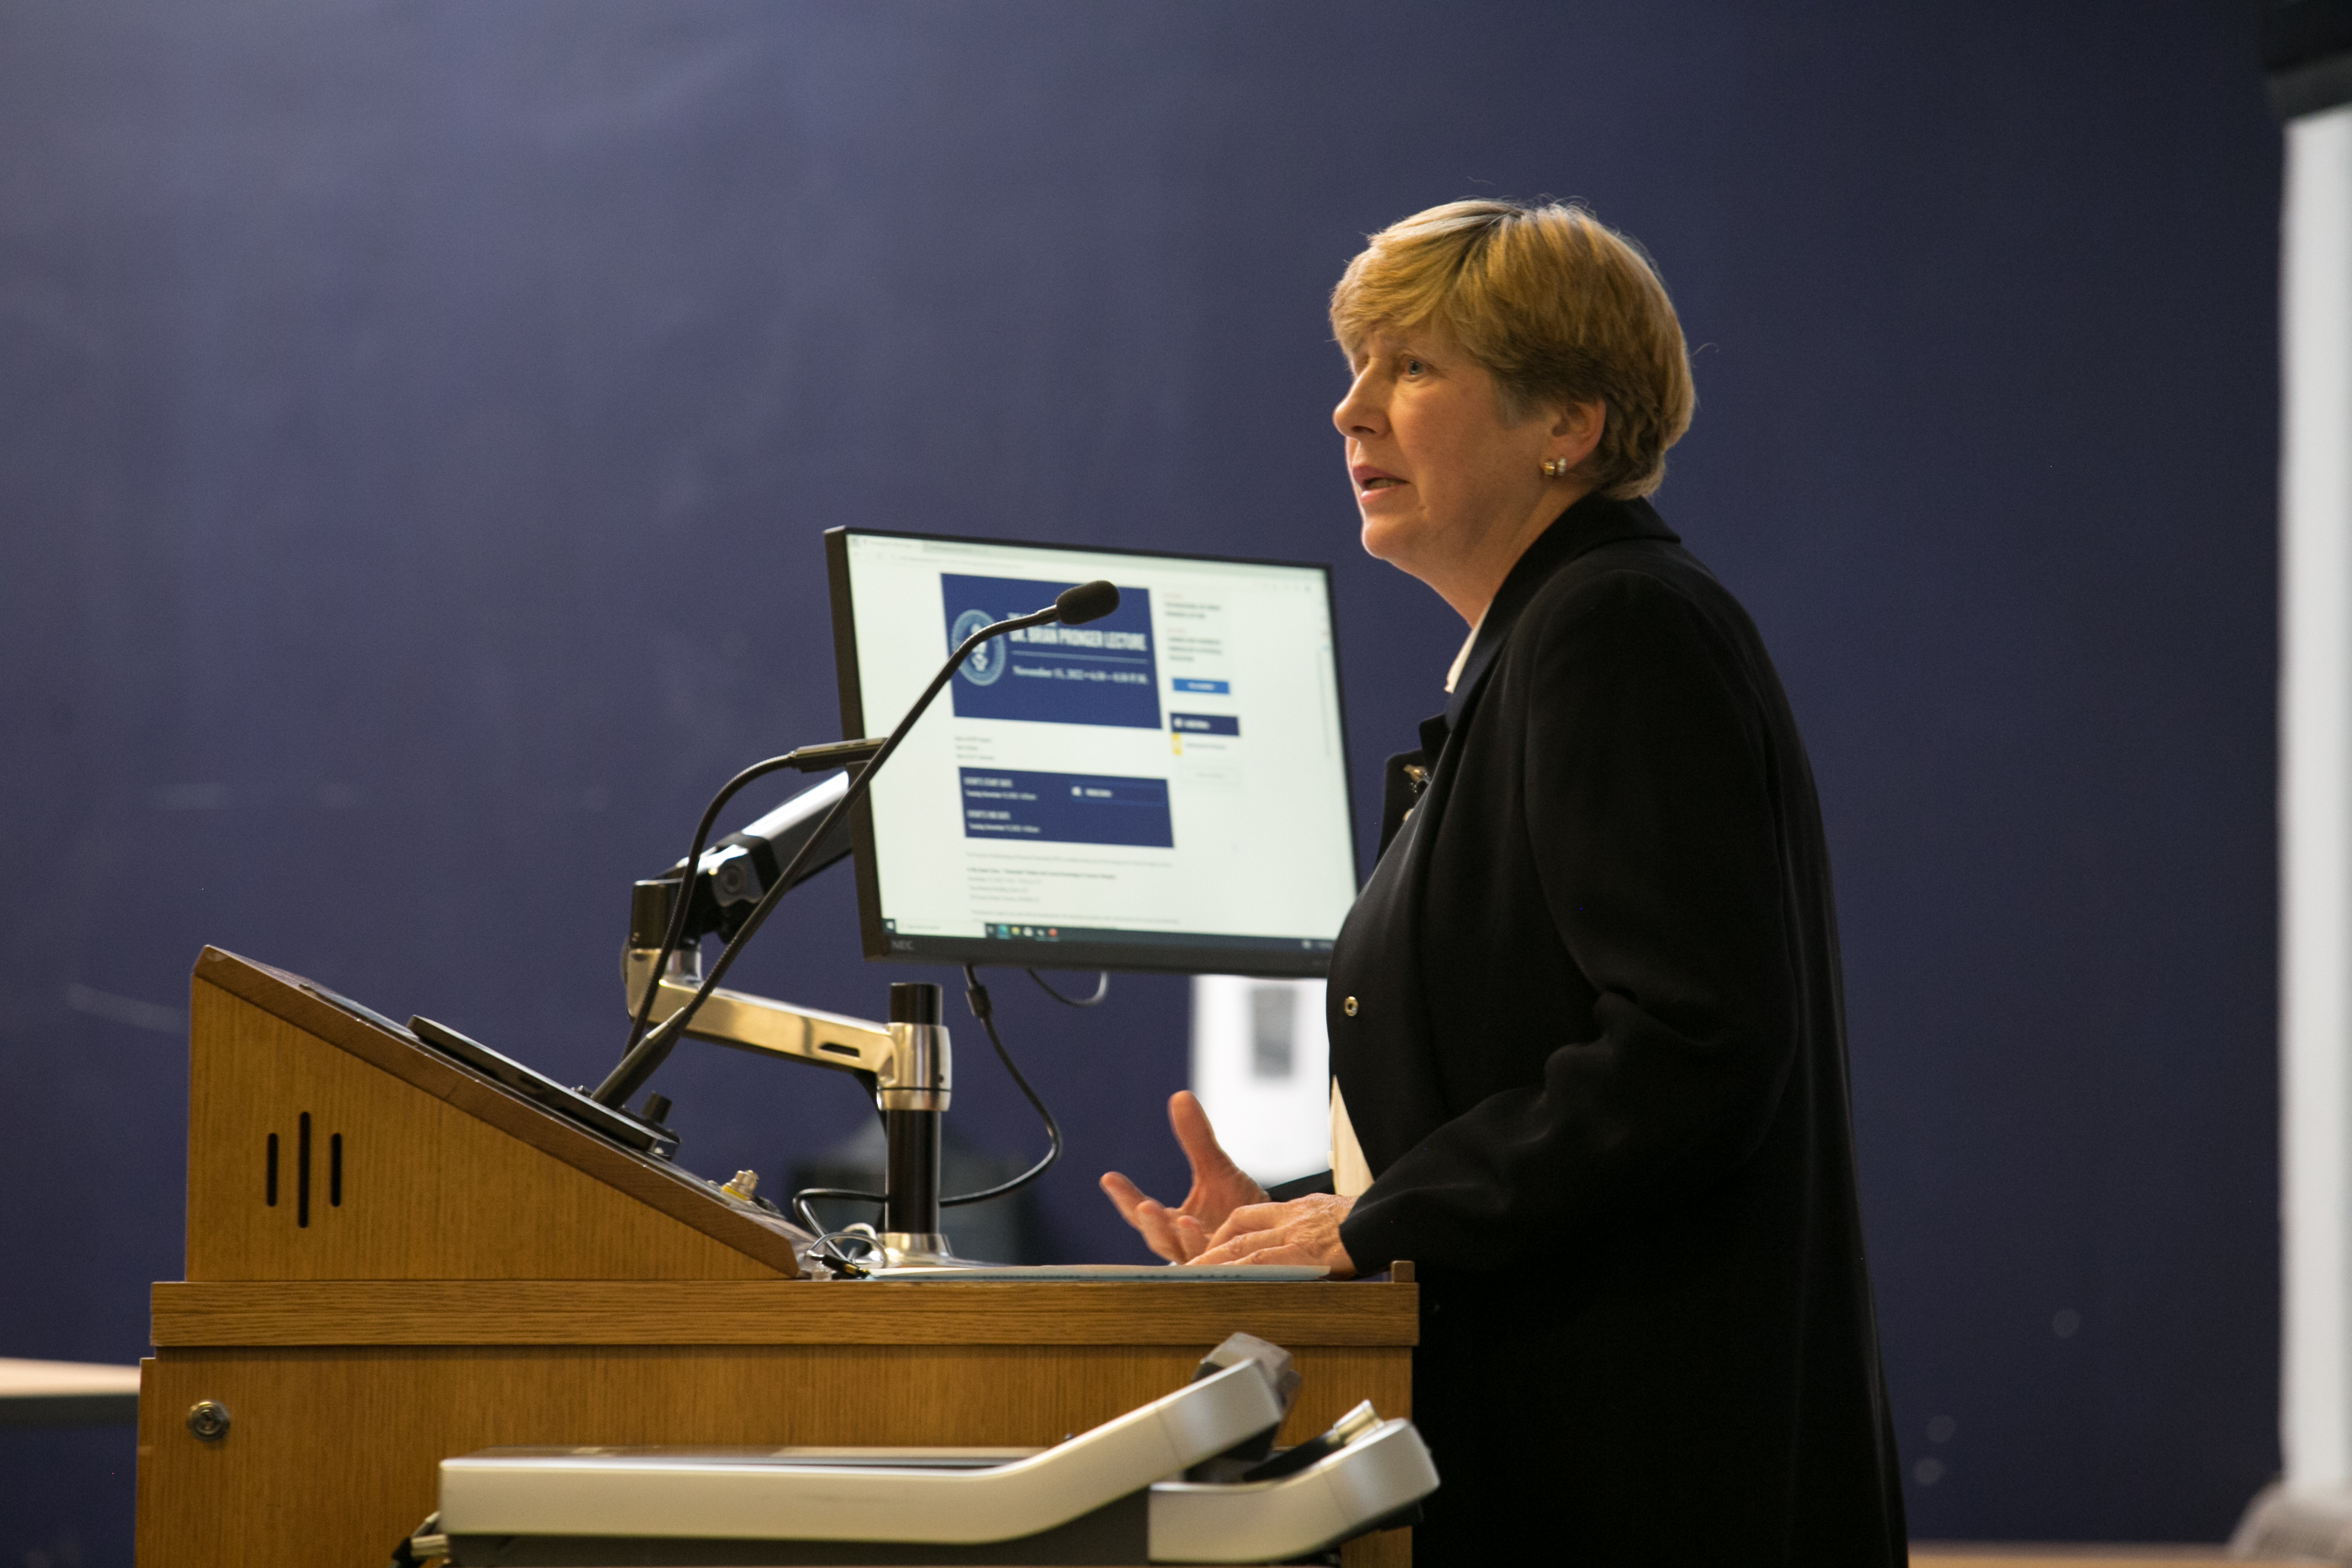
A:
x: 652, y: 1049
x: 674, y: 936
x: 976, y: 998
x: 1078, y: 605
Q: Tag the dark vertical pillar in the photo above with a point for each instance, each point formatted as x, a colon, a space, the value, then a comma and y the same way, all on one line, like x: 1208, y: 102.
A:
x: 912, y: 1196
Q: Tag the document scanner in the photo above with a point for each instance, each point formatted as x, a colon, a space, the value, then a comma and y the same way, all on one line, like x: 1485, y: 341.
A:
x: 1110, y: 1495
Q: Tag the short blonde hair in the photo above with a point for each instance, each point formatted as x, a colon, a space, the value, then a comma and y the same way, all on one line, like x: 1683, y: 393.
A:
x: 1556, y: 306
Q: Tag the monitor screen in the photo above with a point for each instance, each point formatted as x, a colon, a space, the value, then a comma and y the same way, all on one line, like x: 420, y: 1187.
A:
x: 1164, y: 788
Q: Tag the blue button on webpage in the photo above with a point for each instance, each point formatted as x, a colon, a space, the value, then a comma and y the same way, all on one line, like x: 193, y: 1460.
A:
x: 1188, y: 683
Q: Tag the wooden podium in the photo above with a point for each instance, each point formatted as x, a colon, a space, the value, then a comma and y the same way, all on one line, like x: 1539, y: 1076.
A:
x: 391, y: 1259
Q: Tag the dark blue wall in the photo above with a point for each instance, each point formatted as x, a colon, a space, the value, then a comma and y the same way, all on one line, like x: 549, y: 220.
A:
x: 417, y: 422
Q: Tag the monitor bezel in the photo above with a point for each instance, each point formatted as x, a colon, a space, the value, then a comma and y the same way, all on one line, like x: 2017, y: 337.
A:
x: 881, y: 945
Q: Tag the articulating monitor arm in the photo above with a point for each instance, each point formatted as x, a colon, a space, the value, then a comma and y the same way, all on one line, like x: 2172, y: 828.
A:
x: 907, y: 1062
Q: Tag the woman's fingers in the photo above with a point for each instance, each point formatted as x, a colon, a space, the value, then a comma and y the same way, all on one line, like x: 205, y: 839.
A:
x: 1194, y: 1135
x: 1254, y: 1216
x: 1219, y: 1188
x: 1246, y: 1248
x: 1218, y: 1184
x: 1124, y: 1195
x: 1152, y: 1219
x: 1211, y: 1166
x: 1159, y: 1226
x: 1306, y: 1230
x: 1285, y: 1254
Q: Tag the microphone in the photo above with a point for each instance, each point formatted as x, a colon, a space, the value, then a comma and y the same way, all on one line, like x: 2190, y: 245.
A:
x: 1087, y: 602
x: 1072, y: 607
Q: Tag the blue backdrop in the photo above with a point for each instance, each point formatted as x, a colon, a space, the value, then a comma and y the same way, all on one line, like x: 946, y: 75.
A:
x: 417, y: 422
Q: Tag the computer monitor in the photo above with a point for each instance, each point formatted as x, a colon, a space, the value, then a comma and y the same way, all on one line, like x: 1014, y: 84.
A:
x: 1162, y: 789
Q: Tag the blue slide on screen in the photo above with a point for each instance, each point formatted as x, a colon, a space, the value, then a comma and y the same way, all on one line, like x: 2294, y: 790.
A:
x: 1101, y: 673
x: 1066, y: 808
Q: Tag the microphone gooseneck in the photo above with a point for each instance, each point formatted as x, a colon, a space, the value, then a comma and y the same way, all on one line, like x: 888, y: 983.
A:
x: 1085, y: 602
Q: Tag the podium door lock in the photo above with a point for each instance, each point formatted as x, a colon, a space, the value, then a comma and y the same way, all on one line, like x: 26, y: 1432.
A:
x: 208, y: 1419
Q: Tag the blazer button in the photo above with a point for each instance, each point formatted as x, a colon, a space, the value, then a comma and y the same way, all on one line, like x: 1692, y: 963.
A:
x: 1348, y: 1006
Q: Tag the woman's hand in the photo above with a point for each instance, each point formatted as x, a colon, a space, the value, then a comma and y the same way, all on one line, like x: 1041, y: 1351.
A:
x: 1219, y: 1188
x: 1304, y: 1230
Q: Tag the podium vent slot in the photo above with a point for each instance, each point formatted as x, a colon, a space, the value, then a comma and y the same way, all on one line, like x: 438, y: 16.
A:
x: 335, y: 1171
x: 302, y: 1171
x: 269, y: 1173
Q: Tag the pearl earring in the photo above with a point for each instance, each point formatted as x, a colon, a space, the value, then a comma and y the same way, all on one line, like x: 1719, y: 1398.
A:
x: 1555, y: 468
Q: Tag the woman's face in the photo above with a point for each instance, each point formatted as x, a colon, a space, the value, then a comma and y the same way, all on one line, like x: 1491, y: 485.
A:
x: 1444, y: 485
x: 1434, y: 466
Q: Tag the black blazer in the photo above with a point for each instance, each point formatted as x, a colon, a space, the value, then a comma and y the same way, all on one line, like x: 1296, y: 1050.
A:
x: 1588, y: 1020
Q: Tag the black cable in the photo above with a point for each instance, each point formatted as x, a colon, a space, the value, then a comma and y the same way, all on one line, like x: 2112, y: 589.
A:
x: 675, y: 933
x: 982, y: 1008
x: 647, y: 1054
x: 975, y: 995
x: 640, y: 1057
x: 1102, y: 989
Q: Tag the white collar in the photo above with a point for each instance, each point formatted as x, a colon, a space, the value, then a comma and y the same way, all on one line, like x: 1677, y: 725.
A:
x: 1455, y: 673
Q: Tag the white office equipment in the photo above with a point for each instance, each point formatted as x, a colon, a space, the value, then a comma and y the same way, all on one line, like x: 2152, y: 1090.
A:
x: 1370, y: 1479
x: 1110, y: 1495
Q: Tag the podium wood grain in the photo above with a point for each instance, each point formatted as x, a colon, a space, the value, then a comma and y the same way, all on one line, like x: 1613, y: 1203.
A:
x: 620, y: 1312
x: 494, y: 1276
x: 445, y: 1174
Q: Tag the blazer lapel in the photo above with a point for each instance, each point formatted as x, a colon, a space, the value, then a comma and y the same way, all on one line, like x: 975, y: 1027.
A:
x: 1586, y: 526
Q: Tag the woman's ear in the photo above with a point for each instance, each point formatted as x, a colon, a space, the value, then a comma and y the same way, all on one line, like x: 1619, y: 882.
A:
x: 1577, y: 431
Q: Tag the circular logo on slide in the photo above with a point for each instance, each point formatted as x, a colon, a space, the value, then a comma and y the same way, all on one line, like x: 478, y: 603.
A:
x: 987, y: 660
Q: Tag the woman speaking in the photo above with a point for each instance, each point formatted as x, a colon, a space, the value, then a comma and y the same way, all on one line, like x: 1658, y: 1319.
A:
x: 1587, y: 1030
